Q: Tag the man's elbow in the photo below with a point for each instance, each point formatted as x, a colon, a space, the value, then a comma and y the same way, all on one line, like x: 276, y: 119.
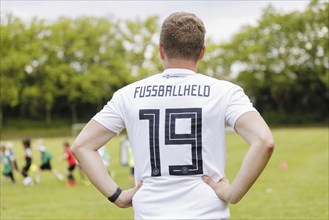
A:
x: 269, y: 143
x: 75, y: 148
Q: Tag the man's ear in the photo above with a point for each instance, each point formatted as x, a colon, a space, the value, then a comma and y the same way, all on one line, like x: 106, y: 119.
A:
x: 161, y: 51
x: 203, y: 50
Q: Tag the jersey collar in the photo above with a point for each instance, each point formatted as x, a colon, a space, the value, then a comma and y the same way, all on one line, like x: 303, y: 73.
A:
x: 178, y: 71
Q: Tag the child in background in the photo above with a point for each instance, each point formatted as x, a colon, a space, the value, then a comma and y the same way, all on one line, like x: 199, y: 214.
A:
x: 9, y: 148
x: 45, y: 162
x: 8, y: 163
x: 72, y: 163
x: 28, y: 161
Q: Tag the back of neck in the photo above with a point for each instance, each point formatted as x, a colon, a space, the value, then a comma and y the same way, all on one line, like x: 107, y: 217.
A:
x: 181, y: 64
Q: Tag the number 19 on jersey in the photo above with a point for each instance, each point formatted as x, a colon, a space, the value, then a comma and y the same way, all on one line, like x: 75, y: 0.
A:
x: 172, y: 137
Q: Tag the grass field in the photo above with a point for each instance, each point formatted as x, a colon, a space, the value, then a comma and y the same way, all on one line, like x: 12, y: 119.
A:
x: 293, y: 186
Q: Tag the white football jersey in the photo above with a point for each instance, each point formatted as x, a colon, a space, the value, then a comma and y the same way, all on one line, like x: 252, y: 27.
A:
x: 175, y: 122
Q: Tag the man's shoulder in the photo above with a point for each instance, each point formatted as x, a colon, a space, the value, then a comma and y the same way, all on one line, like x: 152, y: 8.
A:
x: 220, y: 82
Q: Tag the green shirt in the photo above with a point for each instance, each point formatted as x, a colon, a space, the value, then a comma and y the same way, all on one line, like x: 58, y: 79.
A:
x: 7, y: 166
x: 45, y: 156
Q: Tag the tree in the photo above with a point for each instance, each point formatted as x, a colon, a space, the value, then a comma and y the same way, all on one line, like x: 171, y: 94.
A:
x: 140, y: 40
x: 282, y: 62
x: 16, y: 52
x: 82, y: 61
x: 86, y: 54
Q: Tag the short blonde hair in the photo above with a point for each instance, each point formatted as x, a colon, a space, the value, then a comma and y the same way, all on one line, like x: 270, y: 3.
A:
x: 182, y: 36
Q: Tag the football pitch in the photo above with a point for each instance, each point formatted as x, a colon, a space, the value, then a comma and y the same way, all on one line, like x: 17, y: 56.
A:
x: 294, y: 185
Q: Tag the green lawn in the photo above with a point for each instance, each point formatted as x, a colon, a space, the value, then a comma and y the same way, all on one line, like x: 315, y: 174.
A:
x: 299, y: 191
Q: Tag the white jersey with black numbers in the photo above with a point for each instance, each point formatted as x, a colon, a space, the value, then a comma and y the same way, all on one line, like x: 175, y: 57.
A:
x: 175, y: 122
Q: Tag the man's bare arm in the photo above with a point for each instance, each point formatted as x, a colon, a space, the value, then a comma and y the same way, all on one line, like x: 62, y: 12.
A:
x: 255, y: 131
x: 91, y: 138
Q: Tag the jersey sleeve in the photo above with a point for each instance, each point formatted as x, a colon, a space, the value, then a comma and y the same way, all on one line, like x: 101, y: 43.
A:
x: 110, y: 116
x: 238, y: 104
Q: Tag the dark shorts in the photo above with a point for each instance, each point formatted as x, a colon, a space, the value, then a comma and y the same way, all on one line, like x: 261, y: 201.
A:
x: 27, y: 166
x: 132, y: 170
x: 45, y: 166
x: 71, y: 168
x: 11, y: 175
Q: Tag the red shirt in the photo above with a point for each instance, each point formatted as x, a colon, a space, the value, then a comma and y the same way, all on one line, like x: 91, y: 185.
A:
x: 69, y: 156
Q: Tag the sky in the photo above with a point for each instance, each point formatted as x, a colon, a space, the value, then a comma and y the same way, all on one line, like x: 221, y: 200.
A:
x: 221, y: 18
